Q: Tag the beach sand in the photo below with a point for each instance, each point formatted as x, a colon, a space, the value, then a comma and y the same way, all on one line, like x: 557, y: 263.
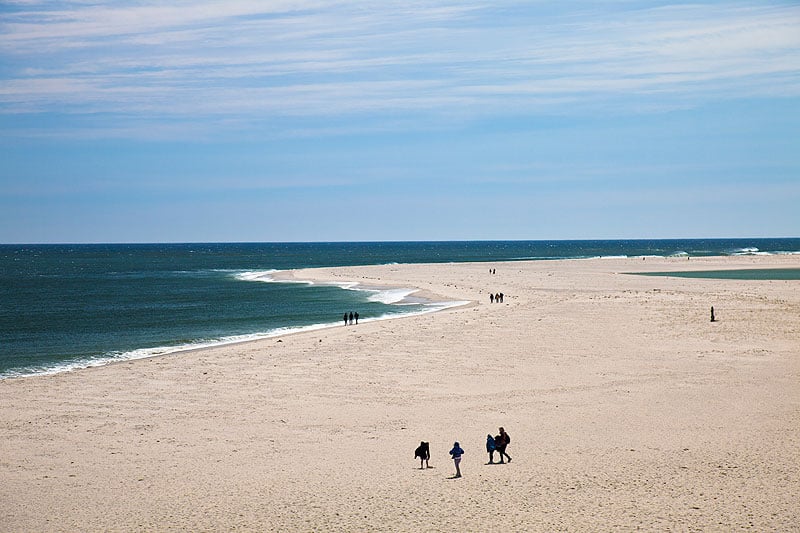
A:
x: 627, y: 408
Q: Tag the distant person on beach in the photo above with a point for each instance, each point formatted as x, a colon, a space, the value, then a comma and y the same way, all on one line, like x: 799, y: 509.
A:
x: 345, y: 319
x: 497, y: 298
x: 356, y: 315
x: 491, y: 298
x: 501, y: 297
x: 501, y: 441
x: 456, y: 454
x: 351, y: 318
x: 423, y: 451
x: 490, y: 448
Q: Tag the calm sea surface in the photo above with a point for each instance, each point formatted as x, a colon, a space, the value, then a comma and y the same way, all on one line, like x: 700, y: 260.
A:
x: 72, y: 306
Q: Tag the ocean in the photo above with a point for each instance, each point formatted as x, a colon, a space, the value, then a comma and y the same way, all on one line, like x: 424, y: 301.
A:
x: 64, y: 307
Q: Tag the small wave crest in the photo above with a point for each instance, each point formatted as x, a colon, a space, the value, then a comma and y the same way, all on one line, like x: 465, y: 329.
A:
x: 749, y: 250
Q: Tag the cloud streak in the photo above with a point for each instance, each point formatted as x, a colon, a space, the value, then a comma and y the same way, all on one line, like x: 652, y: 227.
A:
x: 247, y: 62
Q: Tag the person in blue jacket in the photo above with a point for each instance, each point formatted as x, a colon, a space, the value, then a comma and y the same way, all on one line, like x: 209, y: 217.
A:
x: 490, y: 447
x: 456, y: 453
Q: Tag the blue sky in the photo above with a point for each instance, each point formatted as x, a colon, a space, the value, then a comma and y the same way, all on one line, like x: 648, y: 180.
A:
x: 323, y: 120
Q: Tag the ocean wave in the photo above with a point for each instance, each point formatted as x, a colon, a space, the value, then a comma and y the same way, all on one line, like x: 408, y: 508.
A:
x: 749, y: 250
x: 755, y: 251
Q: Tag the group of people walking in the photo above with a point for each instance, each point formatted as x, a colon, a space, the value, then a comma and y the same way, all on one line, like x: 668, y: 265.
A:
x: 497, y: 297
x: 349, y: 317
x: 498, y: 444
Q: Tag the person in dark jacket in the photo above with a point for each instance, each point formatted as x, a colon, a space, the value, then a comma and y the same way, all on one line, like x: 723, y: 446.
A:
x: 423, y: 451
x: 501, y: 441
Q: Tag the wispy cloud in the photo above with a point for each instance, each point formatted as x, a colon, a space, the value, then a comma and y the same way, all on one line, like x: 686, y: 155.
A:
x: 248, y: 61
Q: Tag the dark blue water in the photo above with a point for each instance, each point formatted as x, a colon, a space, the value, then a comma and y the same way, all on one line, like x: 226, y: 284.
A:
x: 67, y: 306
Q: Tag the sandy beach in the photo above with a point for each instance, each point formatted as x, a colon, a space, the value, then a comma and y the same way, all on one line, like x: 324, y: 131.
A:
x: 627, y: 407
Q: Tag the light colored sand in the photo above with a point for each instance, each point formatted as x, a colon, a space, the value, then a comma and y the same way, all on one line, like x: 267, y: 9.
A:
x: 627, y: 409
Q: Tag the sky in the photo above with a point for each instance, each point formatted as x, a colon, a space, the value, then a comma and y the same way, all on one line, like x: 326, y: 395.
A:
x: 315, y: 120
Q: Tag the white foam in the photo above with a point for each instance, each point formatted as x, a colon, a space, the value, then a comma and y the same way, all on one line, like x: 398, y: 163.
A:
x: 347, y: 285
x: 385, y: 296
x: 390, y: 296
x: 265, y: 276
x: 429, y: 308
x: 751, y: 250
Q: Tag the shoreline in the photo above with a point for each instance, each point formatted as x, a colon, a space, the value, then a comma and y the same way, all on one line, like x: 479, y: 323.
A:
x: 627, y: 408
x: 415, y: 296
x: 437, y: 301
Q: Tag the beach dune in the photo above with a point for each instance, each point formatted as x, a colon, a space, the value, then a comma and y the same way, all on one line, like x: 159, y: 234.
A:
x: 627, y: 407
